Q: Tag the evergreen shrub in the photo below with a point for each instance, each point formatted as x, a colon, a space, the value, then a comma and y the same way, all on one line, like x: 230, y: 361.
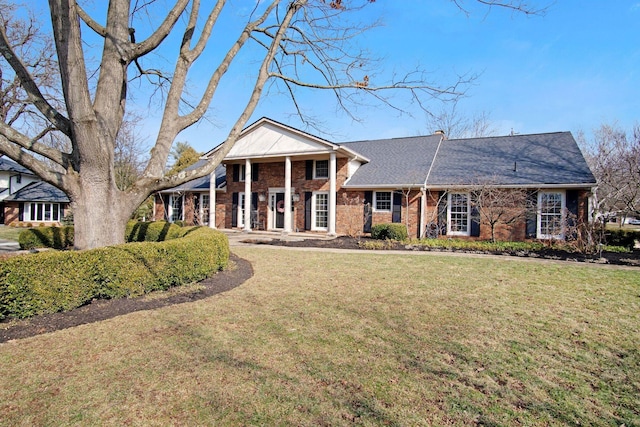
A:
x: 388, y: 231
x: 53, y: 281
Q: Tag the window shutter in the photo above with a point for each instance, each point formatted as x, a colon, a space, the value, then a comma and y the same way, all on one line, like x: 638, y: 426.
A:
x: 572, y: 202
x: 21, y: 212
x: 396, y: 211
x: 309, y: 170
x: 307, y: 210
x: 255, y: 169
x: 236, y: 173
x: 474, y: 217
x: 442, y: 212
x: 234, y: 209
x: 368, y: 209
x: 531, y: 216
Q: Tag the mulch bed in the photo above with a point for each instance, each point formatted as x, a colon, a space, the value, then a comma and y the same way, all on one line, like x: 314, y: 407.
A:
x: 344, y: 242
x: 240, y: 271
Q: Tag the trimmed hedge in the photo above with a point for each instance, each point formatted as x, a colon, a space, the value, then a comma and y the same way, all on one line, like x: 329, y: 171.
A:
x: 46, y: 237
x: 389, y: 232
x: 62, y: 237
x: 49, y: 282
x: 622, y: 237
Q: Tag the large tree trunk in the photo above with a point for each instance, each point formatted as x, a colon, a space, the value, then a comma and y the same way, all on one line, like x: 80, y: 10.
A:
x: 100, y: 216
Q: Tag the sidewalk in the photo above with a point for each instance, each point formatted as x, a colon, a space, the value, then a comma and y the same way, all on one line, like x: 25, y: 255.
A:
x: 8, y: 246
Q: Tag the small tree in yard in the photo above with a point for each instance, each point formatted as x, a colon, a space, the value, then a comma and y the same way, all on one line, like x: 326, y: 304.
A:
x: 497, y: 206
x: 294, y: 44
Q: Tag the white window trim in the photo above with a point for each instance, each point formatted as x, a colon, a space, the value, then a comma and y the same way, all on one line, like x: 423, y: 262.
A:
x: 315, y: 169
x: 204, y: 211
x: 563, y: 205
x: 459, y: 233
x: 375, y: 201
x: 27, y: 212
x: 313, y: 211
x: 171, y: 215
x: 240, y: 208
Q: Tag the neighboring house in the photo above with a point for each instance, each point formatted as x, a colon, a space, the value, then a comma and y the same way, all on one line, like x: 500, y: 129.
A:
x: 297, y: 181
x: 25, y: 199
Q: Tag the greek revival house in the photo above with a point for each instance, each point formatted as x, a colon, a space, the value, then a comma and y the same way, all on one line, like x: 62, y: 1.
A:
x: 282, y: 179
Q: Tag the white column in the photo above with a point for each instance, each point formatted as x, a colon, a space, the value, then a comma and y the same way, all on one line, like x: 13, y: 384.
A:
x: 247, y: 196
x: 333, y: 170
x: 423, y: 208
x: 287, y: 195
x: 212, y: 200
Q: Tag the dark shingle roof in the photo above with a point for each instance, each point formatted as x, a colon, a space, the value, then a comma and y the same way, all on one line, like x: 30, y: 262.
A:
x: 394, y: 162
x: 516, y: 160
x: 201, y: 184
x: 39, y: 192
x: 11, y: 166
x: 522, y: 160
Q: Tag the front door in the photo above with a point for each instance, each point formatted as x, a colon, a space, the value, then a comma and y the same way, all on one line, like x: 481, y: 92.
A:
x: 277, y: 207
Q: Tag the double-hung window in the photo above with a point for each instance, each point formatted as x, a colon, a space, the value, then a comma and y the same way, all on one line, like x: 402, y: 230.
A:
x: 321, y: 169
x: 320, y: 210
x: 176, y: 208
x: 382, y: 201
x: 458, y: 214
x: 551, y: 215
x: 45, y: 212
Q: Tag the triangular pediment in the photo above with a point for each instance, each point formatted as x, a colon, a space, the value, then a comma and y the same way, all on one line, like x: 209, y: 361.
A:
x: 266, y: 138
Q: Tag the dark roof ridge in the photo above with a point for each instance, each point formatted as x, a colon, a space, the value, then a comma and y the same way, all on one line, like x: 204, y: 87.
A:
x: 397, y: 138
x: 508, y: 136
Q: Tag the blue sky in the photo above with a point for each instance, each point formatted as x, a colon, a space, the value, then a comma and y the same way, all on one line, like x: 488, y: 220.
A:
x: 569, y: 70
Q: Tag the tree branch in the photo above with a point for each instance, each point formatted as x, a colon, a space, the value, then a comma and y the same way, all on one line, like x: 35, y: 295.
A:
x: 32, y: 89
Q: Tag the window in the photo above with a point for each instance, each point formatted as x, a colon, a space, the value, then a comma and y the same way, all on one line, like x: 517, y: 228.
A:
x: 176, y: 208
x: 320, y: 211
x: 241, y: 172
x: 241, y: 209
x: 204, y: 208
x: 550, y: 218
x: 382, y: 201
x: 321, y: 169
x: 458, y: 214
x: 45, y: 212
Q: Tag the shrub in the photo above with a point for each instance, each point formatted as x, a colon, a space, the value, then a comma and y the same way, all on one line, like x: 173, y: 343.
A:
x: 156, y: 231
x: 46, y: 237
x: 62, y: 237
x: 50, y: 281
x: 622, y: 237
x: 389, y: 232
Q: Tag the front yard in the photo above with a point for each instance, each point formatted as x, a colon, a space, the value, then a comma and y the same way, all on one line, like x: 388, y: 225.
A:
x: 317, y: 338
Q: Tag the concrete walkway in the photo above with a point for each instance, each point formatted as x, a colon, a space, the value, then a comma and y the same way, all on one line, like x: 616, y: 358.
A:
x: 8, y: 246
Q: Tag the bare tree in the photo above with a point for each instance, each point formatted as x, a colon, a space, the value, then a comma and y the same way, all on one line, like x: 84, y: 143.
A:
x: 129, y: 154
x: 298, y: 44
x: 614, y: 158
x: 456, y: 125
x: 496, y: 206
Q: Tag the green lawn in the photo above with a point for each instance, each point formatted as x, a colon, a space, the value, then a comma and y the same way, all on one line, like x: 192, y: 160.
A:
x: 340, y: 339
x: 10, y: 233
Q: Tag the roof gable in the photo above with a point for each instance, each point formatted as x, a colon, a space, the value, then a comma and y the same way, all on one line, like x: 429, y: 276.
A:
x: 267, y: 138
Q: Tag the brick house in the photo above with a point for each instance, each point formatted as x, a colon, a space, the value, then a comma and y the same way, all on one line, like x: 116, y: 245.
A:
x: 25, y: 199
x: 299, y: 182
